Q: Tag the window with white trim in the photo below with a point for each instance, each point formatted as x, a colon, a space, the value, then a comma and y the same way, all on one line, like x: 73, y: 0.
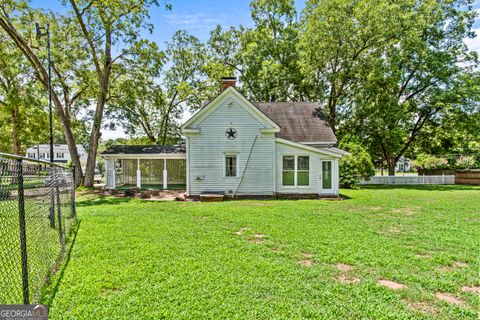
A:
x: 60, y: 155
x: 231, y: 165
x: 296, y: 171
x: 288, y: 173
x: 303, y: 171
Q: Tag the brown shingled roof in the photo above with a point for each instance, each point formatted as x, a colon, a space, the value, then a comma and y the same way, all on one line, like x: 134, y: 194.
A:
x: 298, y: 121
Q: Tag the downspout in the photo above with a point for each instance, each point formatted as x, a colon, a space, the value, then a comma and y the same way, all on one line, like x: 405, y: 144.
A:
x: 246, y: 164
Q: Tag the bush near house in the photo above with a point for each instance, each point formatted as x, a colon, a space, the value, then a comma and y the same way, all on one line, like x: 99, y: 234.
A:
x: 426, y: 163
x: 355, y: 166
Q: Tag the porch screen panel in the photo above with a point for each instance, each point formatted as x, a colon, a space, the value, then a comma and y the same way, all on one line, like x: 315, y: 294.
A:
x: 151, y: 171
x: 176, y: 171
x: 130, y: 171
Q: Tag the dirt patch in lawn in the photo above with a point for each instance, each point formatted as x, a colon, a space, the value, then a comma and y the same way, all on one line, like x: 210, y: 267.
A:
x: 407, y: 211
x: 392, y: 285
x: 423, y: 255
x: 241, y: 231
x: 471, y: 289
x: 111, y: 290
x: 168, y: 195
x: 454, y: 266
x: 307, y: 255
x: 277, y: 250
x: 305, y: 262
x: 259, y: 235
x: 256, y: 241
x: 459, y: 264
x: 347, y: 279
x: 343, y: 267
x: 449, y: 298
x: 421, y: 306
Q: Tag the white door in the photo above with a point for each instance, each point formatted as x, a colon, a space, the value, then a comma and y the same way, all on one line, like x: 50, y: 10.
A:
x: 326, y: 180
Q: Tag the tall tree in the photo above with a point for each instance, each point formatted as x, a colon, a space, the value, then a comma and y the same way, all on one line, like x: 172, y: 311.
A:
x: 337, y: 39
x: 417, y: 77
x: 107, y: 25
x: 158, y: 87
x: 85, y: 42
x: 16, y: 20
x: 265, y: 56
x: 21, y: 110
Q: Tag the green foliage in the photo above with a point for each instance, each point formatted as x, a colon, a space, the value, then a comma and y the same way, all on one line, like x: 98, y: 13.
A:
x: 355, y: 166
x: 429, y: 162
x: 23, y: 117
x: 465, y: 162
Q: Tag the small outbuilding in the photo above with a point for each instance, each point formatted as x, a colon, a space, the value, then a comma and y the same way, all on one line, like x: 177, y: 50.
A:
x: 145, y: 166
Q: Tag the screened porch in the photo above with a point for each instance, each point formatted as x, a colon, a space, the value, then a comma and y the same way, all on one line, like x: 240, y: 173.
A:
x: 145, y: 167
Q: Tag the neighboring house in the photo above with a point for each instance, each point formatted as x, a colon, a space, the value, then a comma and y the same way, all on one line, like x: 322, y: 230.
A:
x: 239, y: 148
x: 403, y: 165
x: 61, y: 154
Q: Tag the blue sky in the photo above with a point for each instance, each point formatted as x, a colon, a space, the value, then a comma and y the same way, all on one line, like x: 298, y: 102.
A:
x: 199, y: 17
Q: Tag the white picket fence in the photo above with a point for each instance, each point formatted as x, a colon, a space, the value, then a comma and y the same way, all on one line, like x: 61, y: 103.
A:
x: 405, y: 180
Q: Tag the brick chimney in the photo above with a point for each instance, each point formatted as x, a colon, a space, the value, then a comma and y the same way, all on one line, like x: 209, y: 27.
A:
x: 228, y: 82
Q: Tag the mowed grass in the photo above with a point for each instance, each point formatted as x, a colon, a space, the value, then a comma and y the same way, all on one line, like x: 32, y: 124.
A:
x: 136, y: 259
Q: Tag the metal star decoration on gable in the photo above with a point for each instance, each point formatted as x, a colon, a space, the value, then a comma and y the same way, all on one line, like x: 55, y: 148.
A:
x: 231, y: 133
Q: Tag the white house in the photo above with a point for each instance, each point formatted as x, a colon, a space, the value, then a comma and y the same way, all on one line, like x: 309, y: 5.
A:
x: 61, y: 154
x: 403, y: 165
x: 239, y: 148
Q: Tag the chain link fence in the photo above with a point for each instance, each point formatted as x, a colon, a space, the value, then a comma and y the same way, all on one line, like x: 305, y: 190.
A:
x: 37, y: 216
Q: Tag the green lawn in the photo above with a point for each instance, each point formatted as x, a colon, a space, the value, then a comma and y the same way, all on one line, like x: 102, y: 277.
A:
x: 136, y: 259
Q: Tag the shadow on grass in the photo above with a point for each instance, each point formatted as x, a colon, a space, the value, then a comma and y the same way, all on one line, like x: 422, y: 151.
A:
x: 424, y: 187
x: 49, y: 296
x: 102, y: 200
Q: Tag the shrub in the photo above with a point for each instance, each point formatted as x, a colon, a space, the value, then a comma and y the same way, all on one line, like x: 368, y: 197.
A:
x: 355, y: 166
x: 465, y: 162
x: 428, y: 162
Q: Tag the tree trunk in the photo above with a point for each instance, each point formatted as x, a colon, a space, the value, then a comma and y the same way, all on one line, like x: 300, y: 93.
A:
x: 103, y: 82
x: 16, y: 144
x: 42, y: 76
x: 391, y: 163
x: 165, y: 129
x: 94, y: 137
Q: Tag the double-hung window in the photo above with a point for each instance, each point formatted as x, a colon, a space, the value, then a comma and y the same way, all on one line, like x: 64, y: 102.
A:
x: 296, y: 171
x: 231, y: 165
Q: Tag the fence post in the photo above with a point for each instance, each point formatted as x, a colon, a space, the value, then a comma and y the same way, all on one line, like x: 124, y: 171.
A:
x: 59, y: 211
x: 23, y: 231
x: 52, y: 198
x: 74, y: 208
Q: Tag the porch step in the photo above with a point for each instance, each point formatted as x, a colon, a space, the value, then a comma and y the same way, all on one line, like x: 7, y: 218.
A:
x: 211, y: 197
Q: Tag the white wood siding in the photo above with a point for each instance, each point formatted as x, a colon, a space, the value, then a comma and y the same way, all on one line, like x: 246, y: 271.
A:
x: 314, y: 166
x: 206, y: 153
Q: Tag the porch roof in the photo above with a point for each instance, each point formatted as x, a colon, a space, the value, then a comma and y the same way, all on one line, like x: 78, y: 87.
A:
x: 145, y: 151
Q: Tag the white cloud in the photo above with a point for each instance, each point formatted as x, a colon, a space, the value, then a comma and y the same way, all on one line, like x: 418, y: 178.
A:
x: 474, y: 44
x: 198, y: 21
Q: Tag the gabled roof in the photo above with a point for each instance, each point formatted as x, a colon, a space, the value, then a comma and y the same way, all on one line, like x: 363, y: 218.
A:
x: 299, y: 121
x: 143, y: 149
x: 223, y: 96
